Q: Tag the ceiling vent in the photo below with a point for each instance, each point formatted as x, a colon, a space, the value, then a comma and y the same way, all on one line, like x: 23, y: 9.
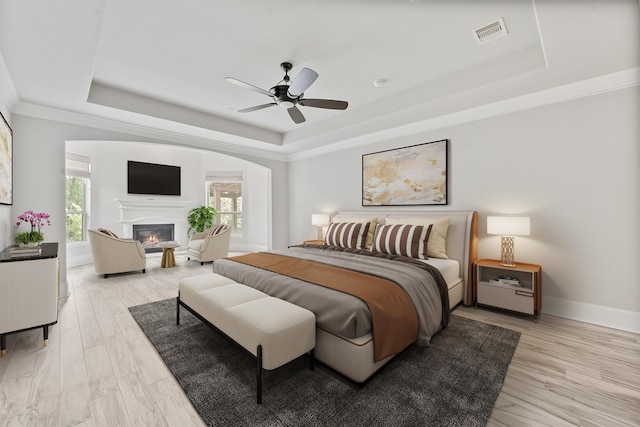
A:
x: 490, y: 32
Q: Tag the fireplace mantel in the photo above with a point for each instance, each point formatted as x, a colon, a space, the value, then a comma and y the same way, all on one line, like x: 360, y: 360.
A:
x: 144, y: 211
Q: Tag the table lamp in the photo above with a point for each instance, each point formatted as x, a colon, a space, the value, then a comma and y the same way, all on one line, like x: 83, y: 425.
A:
x: 320, y: 220
x: 507, y: 227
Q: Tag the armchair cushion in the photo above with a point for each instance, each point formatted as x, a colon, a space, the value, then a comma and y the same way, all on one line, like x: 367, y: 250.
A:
x: 196, y: 245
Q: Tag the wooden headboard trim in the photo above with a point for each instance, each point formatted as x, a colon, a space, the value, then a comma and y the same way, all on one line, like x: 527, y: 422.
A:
x: 470, y: 296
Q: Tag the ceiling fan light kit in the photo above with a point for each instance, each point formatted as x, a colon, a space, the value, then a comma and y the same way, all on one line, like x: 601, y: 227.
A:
x: 290, y: 95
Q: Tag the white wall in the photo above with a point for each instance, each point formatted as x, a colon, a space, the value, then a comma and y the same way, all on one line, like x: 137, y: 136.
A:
x: 39, y: 167
x: 574, y: 168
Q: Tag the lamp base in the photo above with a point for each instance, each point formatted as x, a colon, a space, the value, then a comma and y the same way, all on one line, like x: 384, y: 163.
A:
x: 507, y: 265
x: 320, y: 237
x: 506, y: 253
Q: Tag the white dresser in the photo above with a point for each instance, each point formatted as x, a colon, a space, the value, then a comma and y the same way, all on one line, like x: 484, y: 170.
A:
x: 28, y: 292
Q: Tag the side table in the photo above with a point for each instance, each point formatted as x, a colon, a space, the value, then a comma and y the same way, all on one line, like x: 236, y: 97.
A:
x: 168, y: 254
x: 491, y: 288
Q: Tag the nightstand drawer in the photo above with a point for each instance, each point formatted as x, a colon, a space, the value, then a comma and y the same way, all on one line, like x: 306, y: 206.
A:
x: 510, y: 298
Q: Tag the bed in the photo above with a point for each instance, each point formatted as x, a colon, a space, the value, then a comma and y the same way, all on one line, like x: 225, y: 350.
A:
x: 346, y: 339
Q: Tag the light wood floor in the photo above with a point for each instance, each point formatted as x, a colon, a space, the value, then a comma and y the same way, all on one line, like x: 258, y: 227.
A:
x: 99, y: 369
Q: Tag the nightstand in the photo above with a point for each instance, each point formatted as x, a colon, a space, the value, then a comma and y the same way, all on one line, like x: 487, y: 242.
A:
x: 314, y: 242
x: 491, y: 290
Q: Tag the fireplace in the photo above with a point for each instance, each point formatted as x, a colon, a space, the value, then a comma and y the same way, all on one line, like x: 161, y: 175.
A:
x: 152, y: 234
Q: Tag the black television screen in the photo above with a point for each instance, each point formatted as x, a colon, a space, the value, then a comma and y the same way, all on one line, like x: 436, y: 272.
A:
x: 151, y: 178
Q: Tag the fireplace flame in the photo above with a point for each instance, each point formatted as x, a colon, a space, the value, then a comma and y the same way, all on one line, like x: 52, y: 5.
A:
x: 152, y: 240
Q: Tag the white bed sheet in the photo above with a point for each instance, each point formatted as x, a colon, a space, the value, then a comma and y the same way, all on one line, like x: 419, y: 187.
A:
x: 450, y: 269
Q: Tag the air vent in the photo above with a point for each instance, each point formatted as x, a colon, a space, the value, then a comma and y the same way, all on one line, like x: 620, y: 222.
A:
x: 490, y: 32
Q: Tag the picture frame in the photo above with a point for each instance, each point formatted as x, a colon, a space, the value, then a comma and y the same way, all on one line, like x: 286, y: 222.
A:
x: 6, y: 162
x: 413, y: 175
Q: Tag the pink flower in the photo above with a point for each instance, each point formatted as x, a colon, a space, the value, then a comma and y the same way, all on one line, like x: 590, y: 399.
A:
x: 36, y: 220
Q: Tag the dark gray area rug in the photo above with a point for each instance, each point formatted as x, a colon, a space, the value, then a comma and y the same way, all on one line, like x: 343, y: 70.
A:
x: 454, y: 382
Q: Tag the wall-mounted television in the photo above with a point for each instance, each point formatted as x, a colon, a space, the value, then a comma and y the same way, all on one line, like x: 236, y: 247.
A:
x: 152, y: 178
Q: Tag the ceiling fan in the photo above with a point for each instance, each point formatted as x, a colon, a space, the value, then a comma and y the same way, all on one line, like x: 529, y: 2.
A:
x: 289, y: 93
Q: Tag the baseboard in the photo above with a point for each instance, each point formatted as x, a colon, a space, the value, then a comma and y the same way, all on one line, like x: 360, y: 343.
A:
x: 615, y: 318
x: 79, y: 260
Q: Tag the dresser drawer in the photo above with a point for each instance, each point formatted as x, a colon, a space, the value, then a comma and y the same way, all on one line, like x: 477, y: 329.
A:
x: 520, y: 300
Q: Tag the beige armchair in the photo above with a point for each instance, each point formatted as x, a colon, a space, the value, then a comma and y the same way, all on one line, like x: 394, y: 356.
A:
x: 112, y: 254
x: 209, y: 245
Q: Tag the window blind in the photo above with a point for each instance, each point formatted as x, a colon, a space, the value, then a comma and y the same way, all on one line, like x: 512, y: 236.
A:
x: 224, y: 176
x: 77, y: 165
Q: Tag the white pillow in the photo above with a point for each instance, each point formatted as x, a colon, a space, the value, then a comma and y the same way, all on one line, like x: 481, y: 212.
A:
x: 437, y: 243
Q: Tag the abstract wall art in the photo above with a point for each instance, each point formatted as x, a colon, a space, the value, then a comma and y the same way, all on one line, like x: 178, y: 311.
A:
x: 6, y: 163
x: 414, y: 175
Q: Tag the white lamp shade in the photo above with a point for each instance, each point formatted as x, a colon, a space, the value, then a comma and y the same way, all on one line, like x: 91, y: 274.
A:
x: 320, y: 219
x: 508, y: 225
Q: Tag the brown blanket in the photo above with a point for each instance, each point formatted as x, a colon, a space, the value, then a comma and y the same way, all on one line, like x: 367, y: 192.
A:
x: 395, y: 321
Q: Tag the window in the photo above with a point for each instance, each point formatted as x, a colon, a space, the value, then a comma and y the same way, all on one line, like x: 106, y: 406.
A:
x: 78, y: 191
x: 224, y: 192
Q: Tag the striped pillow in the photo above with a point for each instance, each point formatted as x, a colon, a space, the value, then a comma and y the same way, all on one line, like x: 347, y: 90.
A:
x: 402, y: 239
x: 215, y: 230
x: 107, y: 232
x: 347, y: 234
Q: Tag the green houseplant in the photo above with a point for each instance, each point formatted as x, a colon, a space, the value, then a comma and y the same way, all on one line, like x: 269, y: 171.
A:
x: 200, y: 219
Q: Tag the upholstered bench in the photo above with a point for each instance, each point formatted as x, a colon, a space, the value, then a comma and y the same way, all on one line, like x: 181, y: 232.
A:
x: 273, y: 330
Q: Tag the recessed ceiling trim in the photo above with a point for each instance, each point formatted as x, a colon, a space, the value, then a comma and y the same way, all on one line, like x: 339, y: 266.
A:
x: 112, y: 97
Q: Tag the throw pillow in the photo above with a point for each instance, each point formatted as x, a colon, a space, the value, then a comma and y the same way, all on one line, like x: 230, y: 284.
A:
x: 347, y: 234
x: 107, y: 232
x: 402, y: 239
x: 215, y: 230
x: 373, y: 221
x: 438, y: 237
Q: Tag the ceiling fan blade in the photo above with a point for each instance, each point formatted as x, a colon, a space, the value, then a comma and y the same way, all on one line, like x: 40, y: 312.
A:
x: 248, y: 86
x: 324, y: 103
x: 257, y: 107
x: 296, y: 115
x: 301, y: 82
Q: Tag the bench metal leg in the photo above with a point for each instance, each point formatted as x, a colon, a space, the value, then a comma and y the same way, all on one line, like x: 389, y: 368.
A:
x: 259, y: 373
x: 178, y: 309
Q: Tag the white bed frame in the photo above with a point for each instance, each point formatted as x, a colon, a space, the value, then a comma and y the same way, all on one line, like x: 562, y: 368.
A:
x: 353, y: 358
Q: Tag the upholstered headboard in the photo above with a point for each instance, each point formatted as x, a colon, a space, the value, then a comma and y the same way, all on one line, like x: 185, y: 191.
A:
x: 462, y: 235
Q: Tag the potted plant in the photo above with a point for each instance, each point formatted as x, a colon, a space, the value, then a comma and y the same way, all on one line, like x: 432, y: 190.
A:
x: 36, y: 221
x: 200, y: 218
